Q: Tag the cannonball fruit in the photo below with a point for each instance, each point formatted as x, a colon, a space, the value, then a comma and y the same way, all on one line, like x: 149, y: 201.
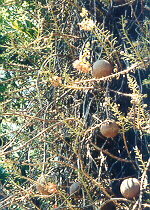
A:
x: 102, y: 68
x: 44, y: 187
x: 109, y: 128
x: 75, y: 187
x: 130, y: 188
x: 124, y: 1
x: 109, y: 206
x: 120, y: 1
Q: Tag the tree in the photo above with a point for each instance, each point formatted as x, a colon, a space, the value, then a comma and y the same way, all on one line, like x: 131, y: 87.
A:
x: 52, y: 108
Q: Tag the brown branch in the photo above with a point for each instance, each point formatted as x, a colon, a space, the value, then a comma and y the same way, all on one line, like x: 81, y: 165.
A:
x: 134, y: 67
x: 109, y: 154
x: 29, y: 116
x: 35, y: 137
x: 15, y: 78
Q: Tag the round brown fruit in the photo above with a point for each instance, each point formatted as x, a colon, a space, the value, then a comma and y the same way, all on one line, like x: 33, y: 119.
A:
x: 124, y: 1
x: 109, y: 128
x: 109, y: 206
x: 130, y: 188
x: 120, y: 1
x: 102, y: 68
x: 75, y: 187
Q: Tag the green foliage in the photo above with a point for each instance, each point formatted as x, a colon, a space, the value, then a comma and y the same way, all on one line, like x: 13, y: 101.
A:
x: 3, y: 175
x: 147, y: 81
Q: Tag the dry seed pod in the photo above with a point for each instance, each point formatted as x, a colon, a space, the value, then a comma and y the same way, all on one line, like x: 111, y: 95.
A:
x: 44, y: 187
x: 41, y: 187
x: 101, y: 68
x: 109, y: 129
x: 130, y: 188
x: 51, y: 188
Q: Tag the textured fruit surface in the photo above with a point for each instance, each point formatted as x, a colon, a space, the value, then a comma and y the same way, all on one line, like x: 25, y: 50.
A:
x: 101, y: 68
x: 42, y: 189
x: 109, y: 129
x: 130, y: 188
